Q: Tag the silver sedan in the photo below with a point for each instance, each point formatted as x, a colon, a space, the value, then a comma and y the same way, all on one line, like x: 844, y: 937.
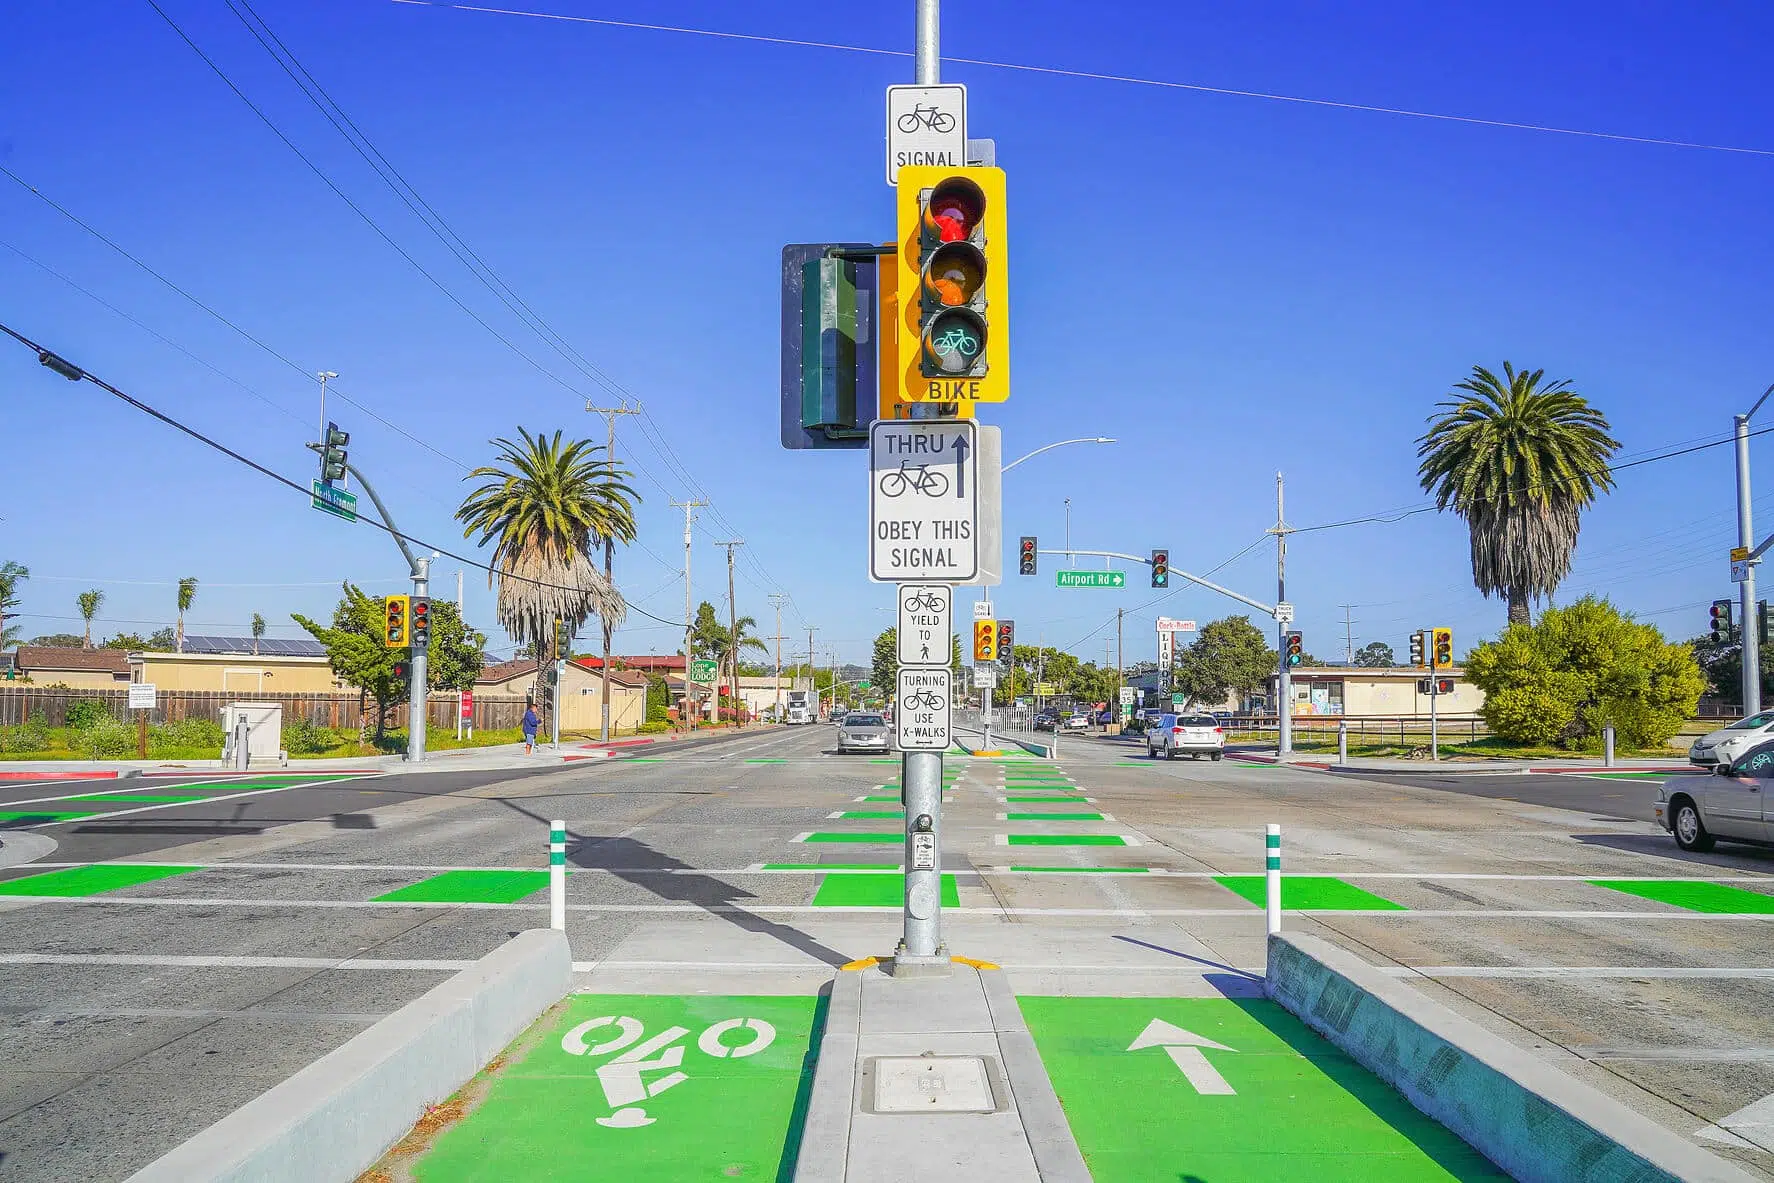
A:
x: 864, y: 733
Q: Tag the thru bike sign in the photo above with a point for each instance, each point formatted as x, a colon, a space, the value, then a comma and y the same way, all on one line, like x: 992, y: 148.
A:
x: 923, y: 501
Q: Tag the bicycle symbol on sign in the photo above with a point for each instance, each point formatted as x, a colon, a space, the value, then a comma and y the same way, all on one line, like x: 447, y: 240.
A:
x: 917, y: 477
x: 923, y: 700
x: 955, y: 340
x: 931, y: 117
x: 621, y: 1077
x: 923, y: 601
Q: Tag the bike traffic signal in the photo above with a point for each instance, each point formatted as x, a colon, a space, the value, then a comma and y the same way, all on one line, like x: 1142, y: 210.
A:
x: 1419, y: 649
x: 419, y: 626
x: 394, y: 635
x: 1025, y: 563
x: 332, y: 454
x: 1294, y: 649
x: 985, y: 640
x: 1006, y: 639
x: 1721, y: 620
x: 1441, y: 644
x: 952, y: 288
x: 1161, y: 568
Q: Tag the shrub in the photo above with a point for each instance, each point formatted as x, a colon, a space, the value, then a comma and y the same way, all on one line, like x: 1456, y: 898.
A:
x: 26, y: 737
x: 85, y: 712
x: 164, y: 738
x: 652, y: 727
x: 108, y: 739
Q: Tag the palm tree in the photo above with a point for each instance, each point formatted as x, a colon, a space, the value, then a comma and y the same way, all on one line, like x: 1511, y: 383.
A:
x: 10, y: 575
x: 89, y: 602
x: 543, y: 505
x: 258, y: 631
x: 1519, y: 461
x: 735, y: 641
x: 187, y: 593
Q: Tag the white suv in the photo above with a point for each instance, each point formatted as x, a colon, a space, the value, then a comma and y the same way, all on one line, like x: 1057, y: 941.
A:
x: 1194, y: 735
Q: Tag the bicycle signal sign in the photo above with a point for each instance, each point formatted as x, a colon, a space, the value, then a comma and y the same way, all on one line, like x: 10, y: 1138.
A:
x: 923, y: 501
x: 921, y: 710
x: 926, y: 125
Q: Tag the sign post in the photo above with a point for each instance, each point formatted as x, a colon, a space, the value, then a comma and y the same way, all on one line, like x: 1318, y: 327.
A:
x: 142, y: 699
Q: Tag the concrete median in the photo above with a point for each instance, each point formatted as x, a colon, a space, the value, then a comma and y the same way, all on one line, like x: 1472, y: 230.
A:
x: 1525, y: 1115
x: 332, y: 1120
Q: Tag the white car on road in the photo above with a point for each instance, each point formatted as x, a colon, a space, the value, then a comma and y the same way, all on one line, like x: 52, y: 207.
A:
x: 1728, y: 743
x: 1730, y: 803
x: 1193, y: 735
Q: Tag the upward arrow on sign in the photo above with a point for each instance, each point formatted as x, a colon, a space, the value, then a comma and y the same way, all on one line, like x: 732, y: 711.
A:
x: 1185, y: 1051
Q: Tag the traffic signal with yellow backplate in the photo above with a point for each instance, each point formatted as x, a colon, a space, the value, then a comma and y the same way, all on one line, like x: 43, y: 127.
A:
x: 952, y: 287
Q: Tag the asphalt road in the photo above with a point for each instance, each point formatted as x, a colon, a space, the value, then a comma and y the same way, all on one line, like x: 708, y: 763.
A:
x: 1608, y: 795
x: 138, y: 1014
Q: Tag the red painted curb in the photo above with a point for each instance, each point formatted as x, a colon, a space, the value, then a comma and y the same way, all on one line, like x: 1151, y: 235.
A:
x: 263, y: 772
x: 621, y: 743
x: 103, y: 775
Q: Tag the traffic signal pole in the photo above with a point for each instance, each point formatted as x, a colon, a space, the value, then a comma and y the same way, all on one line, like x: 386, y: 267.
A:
x: 1284, y: 707
x: 1746, y: 591
x: 420, y: 570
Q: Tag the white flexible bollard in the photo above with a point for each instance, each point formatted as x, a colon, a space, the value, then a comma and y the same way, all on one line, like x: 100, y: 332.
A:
x: 1272, y: 848
x: 557, y: 875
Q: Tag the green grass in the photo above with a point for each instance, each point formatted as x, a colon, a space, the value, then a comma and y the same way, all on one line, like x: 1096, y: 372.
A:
x: 1302, y: 894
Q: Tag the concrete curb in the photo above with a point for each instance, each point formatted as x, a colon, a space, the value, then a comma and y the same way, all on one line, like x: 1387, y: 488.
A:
x: 1057, y: 1156
x: 1534, y: 1121
x: 825, y: 1135
x: 331, y: 1121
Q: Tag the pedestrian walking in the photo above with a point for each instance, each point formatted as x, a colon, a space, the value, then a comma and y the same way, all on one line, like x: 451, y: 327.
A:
x: 531, y: 722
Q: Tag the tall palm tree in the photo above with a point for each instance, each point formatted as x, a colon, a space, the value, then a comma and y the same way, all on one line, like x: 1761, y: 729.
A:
x: 10, y: 575
x: 90, y: 602
x: 1519, y: 461
x: 187, y: 593
x: 741, y: 637
x: 258, y: 631
x: 543, y: 505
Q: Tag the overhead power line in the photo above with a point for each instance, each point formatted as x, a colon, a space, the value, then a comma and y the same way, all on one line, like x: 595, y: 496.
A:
x: 1093, y: 76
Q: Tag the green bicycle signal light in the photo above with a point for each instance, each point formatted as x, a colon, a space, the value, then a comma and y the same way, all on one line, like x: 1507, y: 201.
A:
x: 951, y: 276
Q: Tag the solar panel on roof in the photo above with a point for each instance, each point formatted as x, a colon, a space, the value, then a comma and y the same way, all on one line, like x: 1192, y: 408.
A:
x: 268, y: 646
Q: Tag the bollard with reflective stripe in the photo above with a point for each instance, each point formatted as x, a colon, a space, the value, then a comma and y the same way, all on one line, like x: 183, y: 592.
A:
x: 1272, y: 848
x: 557, y: 875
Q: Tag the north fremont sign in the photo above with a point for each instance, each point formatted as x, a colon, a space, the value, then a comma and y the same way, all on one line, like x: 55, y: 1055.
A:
x: 923, y: 501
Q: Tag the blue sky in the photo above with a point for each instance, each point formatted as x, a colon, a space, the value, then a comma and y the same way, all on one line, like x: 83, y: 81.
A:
x: 1228, y: 285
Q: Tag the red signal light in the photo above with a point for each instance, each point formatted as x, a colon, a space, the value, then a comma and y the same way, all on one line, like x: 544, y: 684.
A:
x: 956, y: 206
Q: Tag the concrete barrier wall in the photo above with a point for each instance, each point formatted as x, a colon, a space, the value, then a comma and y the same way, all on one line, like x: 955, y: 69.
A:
x: 331, y: 1121
x: 1529, y: 1118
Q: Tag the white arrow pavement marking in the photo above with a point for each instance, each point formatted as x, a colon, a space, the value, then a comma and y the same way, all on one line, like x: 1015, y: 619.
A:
x: 1185, y: 1051
x: 1751, y: 1126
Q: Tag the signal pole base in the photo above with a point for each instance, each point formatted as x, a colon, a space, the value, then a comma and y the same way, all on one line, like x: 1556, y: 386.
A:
x: 909, y: 965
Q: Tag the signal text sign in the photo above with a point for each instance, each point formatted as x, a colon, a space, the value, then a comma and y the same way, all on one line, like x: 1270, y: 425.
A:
x: 925, y: 125
x: 923, y: 501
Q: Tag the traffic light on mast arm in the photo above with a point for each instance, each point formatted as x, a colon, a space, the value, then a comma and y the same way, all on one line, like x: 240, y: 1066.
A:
x: 985, y: 640
x: 1721, y: 620
x: 1419, y: 649
x: 394, y: 635
x: 1161, y: 568
x: 1294, y: 649
x: 332, y: 454
x: 953, y: 286
x: 1441, y: 642
x: 1026, y: 558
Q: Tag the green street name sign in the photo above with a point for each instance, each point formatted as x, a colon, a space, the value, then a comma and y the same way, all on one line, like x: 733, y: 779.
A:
x: 336, y: 501
x: 1090, y: 578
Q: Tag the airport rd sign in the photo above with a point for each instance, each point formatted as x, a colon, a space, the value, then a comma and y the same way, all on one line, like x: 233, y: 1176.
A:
x: 923, y: 501
x: 1090, y: 578
x: 923, y: 631
x: 921, y: 710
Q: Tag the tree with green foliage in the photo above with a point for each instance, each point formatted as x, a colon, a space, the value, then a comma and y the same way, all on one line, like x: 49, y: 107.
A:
x: 707, y: 634
x: 884, y: 671
x: 1375, y: 655
x: 136, y: 643
x: 57, y: 640
x: 11, y: 575
x: 1579, y: 668
x: 1722, y: 663
x: 258, y: 631
x: 89, y: 602
x: 1229, y: 654
x: 1519, y: 461
x: 187, y: 594
x: 356, y: 652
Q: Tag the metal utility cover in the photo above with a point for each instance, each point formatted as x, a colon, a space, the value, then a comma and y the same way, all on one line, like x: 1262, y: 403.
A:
x: 924, y: 501
x: 932, y: 1084
x: 924, y: 632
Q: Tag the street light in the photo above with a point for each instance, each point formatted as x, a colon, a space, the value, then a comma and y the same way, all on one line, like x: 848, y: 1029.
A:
x: 323, y: 375
x: 1101, y: 439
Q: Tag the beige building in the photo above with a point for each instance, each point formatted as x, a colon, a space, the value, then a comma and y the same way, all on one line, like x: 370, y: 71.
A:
x: 77, y: 669
x: 1384, y: 692
x: 581, y: 692
x: 239, y: 673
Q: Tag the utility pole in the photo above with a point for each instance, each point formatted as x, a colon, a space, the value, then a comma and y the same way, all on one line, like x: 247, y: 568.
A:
x: 732, y: 637
x: 1284, y: 740
x: 689, y: 508
x: 609, y: 414
x: 1746, y: 591
x: 776, y: 598
x: 1120, y: 668
x: 812, y: 662
x: 1348, y: 635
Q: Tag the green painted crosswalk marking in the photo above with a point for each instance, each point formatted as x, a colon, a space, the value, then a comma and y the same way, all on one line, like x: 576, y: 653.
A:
x: 1632, y: 775
x: 1067, y: 840
x: 1049, y: 797
x: 874, y: 891
x: 45, y: 815
x: 1032, y: 816
x: 137, y: 799
x: 1130, y: 763
x: 731, y: 1112
x: 871, y: 839
x: 1300, y: 894
x: 77, y: 881
x: 469, y: 887
x: 646, y: 760
x: 1249, y: 764
x: 1088, y: 870
x: 862, y: 815
x: 1694, y: 895
x: 831, y: 866
x: 767, y: 760
x: 1137, y: 1117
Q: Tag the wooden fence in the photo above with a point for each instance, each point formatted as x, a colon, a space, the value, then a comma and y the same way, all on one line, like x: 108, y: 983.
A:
x: 346, y: 711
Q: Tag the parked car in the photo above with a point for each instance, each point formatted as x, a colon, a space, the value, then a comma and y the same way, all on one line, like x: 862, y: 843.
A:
x: 1046, y: 721
x: 864, y: 732
x: 1728, y: 802
x: 1727, y: 743
x: 1193, y: 735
